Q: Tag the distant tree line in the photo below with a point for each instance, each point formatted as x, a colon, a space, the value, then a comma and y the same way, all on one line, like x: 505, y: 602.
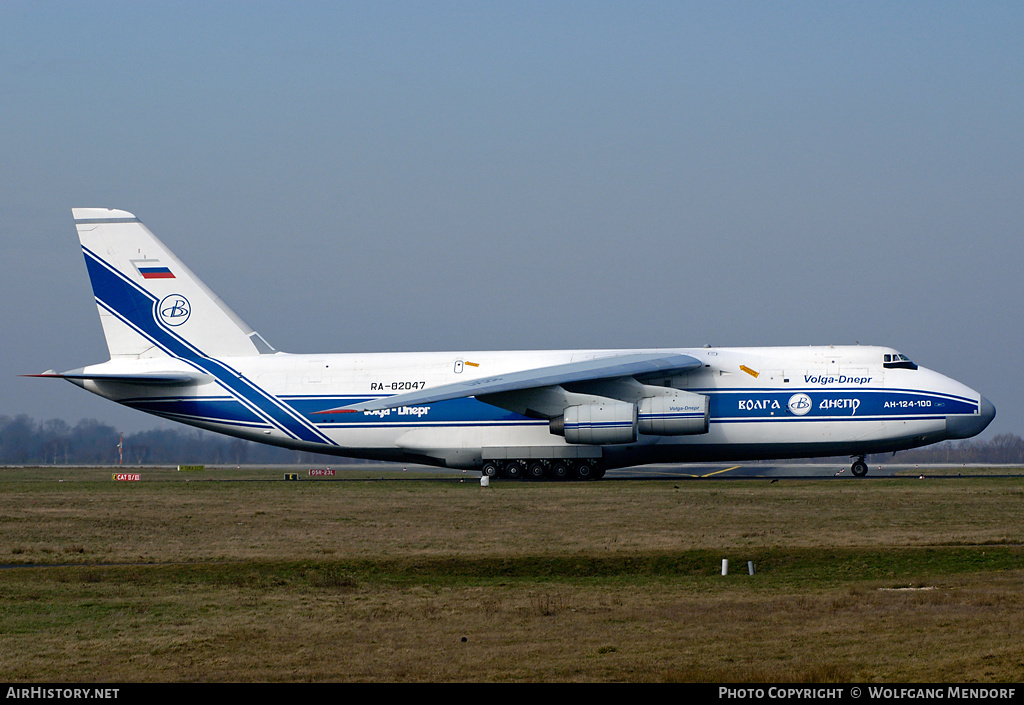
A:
x: 24, y: 441
x: 1005, y: 448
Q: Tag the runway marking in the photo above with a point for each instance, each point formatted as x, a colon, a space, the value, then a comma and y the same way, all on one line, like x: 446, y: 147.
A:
x: 716, y: 472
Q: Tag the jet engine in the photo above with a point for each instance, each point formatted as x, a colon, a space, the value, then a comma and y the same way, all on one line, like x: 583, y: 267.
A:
x: 679, y: 414
x: 682, y: 414
x: 598, y: 424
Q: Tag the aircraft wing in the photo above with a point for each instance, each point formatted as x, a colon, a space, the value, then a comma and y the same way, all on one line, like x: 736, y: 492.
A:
x: 637, y: 365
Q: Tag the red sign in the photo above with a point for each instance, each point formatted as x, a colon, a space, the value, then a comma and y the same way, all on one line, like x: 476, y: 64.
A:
x: 321, y: 472
x: 127, y: 476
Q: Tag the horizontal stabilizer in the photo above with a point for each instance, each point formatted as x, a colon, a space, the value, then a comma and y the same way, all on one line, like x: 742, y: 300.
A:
x: 632, y: 365
x: 167, y: 379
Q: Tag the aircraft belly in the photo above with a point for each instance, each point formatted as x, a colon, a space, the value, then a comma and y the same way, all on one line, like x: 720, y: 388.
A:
x: 814, y: 432
x: 456, y: 445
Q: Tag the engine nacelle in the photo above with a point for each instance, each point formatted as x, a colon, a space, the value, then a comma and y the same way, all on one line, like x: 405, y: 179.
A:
x: 678, y: 414
x: 681, y: 414
x: 597, y: 424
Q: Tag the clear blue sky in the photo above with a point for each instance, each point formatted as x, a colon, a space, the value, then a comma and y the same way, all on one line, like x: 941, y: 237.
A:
x: 379, y: 176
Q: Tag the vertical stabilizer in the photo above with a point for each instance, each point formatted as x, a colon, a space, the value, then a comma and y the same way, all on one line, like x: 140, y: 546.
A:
x: 150, y: 304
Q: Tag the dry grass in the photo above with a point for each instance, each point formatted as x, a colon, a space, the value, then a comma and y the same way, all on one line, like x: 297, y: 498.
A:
x: 102, y: 521
x: 446, y: 581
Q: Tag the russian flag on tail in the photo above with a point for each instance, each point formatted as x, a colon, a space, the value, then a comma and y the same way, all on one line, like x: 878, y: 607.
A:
x: 152, y: 269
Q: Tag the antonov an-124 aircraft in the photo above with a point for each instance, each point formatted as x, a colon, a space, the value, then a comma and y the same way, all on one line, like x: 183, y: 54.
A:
x: 177, y: 351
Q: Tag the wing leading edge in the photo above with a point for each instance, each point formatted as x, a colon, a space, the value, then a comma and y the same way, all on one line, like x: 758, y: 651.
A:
x: 637, y: 365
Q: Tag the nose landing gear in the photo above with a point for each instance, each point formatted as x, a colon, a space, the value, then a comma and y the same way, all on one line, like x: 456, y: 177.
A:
x: 859, y: 467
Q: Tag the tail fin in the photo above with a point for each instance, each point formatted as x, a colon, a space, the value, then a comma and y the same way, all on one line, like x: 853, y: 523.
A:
x: 150, y: 304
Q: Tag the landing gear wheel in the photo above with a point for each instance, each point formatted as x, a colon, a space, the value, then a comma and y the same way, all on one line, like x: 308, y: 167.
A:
x: 584, y: 470
x: 560, y: 470
x: 514, y: 469
x: 859, y: 468
x: 536, y: 471
x: 490, y: 469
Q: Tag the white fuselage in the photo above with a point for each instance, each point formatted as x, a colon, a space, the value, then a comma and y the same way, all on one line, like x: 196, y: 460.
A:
x: 764, y: 403
x: 179, y: 352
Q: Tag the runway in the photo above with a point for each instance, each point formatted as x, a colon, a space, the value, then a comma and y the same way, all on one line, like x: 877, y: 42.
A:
x: 752, y: 471
x: 803, y: 471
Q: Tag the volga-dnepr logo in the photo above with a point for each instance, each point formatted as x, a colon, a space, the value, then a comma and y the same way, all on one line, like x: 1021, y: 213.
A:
x: 799, y: 404
x: 174, y: 309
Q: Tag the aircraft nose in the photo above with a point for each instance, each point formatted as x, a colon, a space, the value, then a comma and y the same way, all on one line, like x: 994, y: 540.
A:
x: 968, y: 426
x: 988, y: 412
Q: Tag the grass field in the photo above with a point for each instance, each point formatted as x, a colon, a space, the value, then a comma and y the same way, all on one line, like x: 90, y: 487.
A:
x: 229, y: 575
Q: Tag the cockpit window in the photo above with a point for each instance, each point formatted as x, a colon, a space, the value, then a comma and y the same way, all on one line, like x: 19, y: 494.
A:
x: 897, y: 361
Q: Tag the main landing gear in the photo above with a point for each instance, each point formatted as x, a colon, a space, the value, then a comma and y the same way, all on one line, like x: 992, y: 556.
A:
x: 859, y: 467
x: 543, y: 469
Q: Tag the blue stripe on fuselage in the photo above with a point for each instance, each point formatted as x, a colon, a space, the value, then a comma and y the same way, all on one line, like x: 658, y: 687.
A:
x: 855, y: 403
